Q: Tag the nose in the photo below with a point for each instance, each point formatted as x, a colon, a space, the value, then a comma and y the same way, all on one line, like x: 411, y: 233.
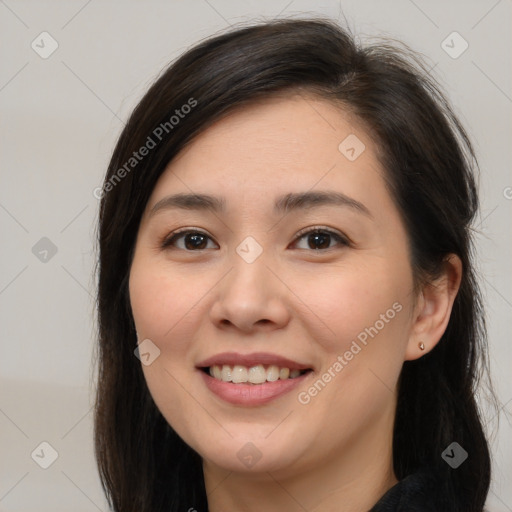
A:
x: 250, y: 298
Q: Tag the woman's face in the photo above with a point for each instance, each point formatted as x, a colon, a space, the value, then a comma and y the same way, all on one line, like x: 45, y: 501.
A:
x: 291, y: 259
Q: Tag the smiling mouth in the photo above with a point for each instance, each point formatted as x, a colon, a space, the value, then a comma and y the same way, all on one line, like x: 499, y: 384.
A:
x: 258, y: 374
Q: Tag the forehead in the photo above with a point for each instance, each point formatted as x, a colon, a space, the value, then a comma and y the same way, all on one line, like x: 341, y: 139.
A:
x: 286, y: 128
x: 278, y: 145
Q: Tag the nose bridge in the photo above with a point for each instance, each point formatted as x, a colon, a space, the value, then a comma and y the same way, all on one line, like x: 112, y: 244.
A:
x: 249, y: 279
x: 250, y: 294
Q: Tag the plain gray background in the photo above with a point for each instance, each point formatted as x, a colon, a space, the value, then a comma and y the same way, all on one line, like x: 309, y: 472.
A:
x: 61, y: 116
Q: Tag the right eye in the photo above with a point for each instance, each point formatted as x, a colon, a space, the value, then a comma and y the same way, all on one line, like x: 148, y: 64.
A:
x: 188, y: 240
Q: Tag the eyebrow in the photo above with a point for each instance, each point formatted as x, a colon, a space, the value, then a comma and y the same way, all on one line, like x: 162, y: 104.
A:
x: 283, y: 205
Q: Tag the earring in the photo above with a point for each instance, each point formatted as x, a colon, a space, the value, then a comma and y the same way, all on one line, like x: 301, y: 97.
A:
x: 421, y: 345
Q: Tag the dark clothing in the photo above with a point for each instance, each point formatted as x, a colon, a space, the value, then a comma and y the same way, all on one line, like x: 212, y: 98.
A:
x: 421, y: 492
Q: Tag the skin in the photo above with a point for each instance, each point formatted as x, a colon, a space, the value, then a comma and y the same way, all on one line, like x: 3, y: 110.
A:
x: 306, y: 304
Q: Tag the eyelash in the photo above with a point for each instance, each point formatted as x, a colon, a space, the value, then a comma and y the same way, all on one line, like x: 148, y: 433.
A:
x: 168, y: 241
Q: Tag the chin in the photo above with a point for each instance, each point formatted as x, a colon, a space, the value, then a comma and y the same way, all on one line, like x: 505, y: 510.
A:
x: 249, y: 451
x: 250, y: 457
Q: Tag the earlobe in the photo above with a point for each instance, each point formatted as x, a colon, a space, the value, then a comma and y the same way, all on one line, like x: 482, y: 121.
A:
x: 433, y: 310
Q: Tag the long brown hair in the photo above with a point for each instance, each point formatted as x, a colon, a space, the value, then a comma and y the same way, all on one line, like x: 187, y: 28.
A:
x: 143, y: 464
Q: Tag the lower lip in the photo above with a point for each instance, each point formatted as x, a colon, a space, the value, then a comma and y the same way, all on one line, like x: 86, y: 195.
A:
x: 251, y: 394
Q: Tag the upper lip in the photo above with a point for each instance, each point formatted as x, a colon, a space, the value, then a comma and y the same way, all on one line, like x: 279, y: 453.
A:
x: 249, y: 360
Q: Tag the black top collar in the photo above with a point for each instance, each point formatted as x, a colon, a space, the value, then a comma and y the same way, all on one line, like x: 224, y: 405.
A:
x: 420, y: 492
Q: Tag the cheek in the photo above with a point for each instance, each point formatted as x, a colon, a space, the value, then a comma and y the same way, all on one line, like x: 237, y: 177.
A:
x: 162, y: 308
x: 373, y: 332
x: 367, y: 314
x: 161, y: 301
x: 359, y: 305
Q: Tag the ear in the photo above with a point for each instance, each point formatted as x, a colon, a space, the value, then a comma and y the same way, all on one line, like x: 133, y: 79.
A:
x: 433, y: 309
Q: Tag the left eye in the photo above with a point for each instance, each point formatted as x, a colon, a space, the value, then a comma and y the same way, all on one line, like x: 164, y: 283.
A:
x: 318, y: 239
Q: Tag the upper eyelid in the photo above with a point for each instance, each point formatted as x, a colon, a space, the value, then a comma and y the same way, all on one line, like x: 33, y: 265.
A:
x: 344, y: 239
x: 183, y: 231
x: 312, y: 229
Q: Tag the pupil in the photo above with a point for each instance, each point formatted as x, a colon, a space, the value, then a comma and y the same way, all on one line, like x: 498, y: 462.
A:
x: 194, y: 241
x: 320, y: 241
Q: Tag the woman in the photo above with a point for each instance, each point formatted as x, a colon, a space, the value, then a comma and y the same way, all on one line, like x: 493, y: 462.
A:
x: 285, y: 246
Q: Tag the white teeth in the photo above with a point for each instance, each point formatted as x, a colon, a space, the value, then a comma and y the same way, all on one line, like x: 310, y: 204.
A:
x: 217, y: 372
x: 226, y: 373
x: 239, y: 374
x: 257, y: 374
x: 272, y: 373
